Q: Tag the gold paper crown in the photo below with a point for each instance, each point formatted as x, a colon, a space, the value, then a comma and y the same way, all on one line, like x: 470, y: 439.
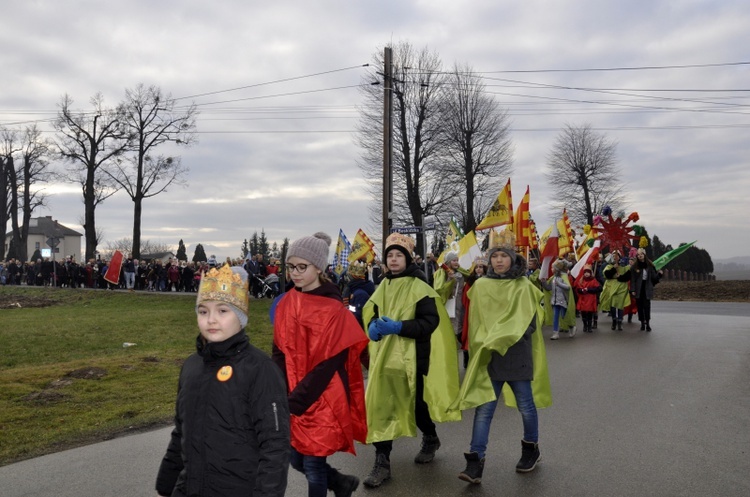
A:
x: 504, y: 240
x: 403, y: 241
x: 357, y: 269
x: 224, y: 285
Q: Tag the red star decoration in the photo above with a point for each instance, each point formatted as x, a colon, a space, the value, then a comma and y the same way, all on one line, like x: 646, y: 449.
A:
x: 616, y: 233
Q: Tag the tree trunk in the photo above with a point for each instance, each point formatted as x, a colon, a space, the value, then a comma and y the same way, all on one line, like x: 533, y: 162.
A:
x: 137, y: 210
x: 89, y: 223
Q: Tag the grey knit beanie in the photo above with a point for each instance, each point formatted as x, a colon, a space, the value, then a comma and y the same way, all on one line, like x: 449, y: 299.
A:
x: 311, y: 248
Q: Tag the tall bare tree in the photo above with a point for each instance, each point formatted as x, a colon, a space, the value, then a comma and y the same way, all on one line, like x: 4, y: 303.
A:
x: 92, y: 142
x: 8, y: 183
x: 583, y: 174
x: 152, y: 119
x: 419, y: 186
x: 476, y: 134
x: 32, y: 170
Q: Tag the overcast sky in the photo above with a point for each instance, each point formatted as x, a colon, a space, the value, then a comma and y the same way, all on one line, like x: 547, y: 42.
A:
x: 279, y: 153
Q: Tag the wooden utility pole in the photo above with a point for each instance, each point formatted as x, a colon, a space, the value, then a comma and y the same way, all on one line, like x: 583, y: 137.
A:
x: 387, y: 143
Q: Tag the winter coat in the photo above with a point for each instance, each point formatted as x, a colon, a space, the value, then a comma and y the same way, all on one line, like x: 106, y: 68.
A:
x: 615, y: 291
x: 587, y: 290
x: 359, y: 293
x: 640, y: 285
x: 559, y: 288
x: 231, y: 434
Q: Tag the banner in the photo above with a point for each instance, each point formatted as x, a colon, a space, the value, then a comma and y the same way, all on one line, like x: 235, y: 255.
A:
x: 341, y: 256
x: 588, y: 258
x: 468, y: 250
x: 501, y: 212
x: 362, y: 248
x: 113, y: 271
x: 550, y: 252
x: 669, y: 256
x: 522, y: 222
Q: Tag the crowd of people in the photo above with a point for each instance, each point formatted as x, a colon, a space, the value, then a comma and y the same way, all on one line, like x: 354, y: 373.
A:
x: 403, y: 323
x: 242, y: 417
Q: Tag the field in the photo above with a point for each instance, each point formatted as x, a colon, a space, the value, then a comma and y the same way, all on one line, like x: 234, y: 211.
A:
x: 67, y: 380
x: 65, y: 377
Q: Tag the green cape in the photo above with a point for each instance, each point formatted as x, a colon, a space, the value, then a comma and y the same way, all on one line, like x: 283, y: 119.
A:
x: 391, y: 385
x: 500, y: 313
x: 615, y: 293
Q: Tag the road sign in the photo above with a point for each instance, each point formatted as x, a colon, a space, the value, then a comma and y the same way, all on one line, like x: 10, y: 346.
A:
x: 407, y: 229
x: 53, y: 241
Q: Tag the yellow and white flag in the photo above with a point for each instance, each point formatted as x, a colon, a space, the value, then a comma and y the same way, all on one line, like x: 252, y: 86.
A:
x: 501, y: 212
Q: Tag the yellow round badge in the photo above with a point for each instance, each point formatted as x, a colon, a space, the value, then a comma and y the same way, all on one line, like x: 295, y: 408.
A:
x: 224, y: 373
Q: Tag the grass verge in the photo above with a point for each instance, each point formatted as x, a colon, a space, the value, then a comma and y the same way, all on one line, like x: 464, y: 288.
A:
x: 65, y: 377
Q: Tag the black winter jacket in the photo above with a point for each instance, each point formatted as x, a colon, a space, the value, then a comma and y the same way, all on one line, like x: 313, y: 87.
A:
x: 231, y: 438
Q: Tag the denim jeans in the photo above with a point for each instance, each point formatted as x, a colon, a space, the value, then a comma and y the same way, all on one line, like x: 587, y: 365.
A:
x: 558, y: 311
x: 483, y: 414
x: 315, y: 469
x: 129, y: 280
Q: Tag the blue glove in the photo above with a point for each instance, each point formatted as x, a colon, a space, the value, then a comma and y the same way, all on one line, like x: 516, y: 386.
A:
x: 372, y: 331
x: 387, y: 326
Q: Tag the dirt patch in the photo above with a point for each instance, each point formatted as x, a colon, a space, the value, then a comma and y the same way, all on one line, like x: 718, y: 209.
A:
x: 24, y: 302
x: 704, y: 291
x: 44, y: 397
x: 87, y: 373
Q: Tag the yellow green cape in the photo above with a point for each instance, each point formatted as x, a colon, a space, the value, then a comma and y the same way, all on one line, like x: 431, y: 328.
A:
x: 391, y: 385
x: 500, y: 313
x: 615, y: 293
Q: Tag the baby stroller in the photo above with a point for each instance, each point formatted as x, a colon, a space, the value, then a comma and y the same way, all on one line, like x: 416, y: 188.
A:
x: 268, y: 286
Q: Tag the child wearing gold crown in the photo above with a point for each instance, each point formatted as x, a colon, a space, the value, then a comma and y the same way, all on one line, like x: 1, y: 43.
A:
x: 409, y: 331
x: 506, y: 353
x: 231, y: 434
x: 317, y: 343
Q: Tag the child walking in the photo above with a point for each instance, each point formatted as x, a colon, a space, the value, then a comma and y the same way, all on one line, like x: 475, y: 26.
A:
x: 506, y: 353
x: 587, y: 288
x: 231, y: 434
x: 317, y: 344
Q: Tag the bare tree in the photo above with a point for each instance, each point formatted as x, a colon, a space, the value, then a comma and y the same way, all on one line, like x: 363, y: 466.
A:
x: 8, y: 191
x: 476, y: 134
x: 91, y: 142
x: 32, y: 170
x: 419, y: 186
x: 152, y: 119
x: 583, y: 174
x: 125, y: 245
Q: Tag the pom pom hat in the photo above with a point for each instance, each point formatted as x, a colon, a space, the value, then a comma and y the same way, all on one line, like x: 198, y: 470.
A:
x: 402, y: 243
x: 311, y: 248
x: 227, y: 285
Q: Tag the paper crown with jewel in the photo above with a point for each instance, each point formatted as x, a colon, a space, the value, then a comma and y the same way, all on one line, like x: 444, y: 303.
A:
x: 503, y: 240
x: 224, y: 285
x: 358, y: 269
x: 399, y: 240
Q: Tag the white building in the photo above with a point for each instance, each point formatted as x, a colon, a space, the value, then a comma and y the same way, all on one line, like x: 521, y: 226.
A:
x: 44, y: 229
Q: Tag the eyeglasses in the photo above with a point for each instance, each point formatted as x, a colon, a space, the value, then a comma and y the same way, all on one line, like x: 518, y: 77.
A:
x: 299, y: 268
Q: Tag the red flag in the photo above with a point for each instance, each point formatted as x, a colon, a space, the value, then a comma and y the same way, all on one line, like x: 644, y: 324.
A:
x: 521, y: 224
x: 113, y: 271
x: 549, y: 252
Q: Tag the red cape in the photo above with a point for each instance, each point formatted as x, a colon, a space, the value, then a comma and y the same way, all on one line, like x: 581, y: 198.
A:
x: 113, y: 270
x: 310, y: 329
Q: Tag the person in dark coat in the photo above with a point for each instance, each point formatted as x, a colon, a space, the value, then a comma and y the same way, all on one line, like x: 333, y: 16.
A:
x: 231, y: 434
x: 644, y: 276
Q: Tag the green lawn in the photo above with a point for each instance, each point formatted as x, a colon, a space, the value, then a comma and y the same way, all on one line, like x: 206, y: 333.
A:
x: 65, y: 377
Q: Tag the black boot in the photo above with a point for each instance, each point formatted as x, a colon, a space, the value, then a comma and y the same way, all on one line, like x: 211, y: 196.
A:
x: 619, y: 325
x: 614, y: 324
x: 648, y: 326
x: 381, y: 472
x: 529, y: 457
x: 596, y: 323
x: 643, y: 325
x: 474, y: 468
x: 430, y: 444
x: 342, y: 485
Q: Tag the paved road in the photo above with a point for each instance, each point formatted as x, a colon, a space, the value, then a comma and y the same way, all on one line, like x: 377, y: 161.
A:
x: 665, y: 413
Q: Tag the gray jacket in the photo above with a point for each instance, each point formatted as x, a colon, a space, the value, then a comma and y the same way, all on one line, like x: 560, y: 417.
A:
x: 559, y: 287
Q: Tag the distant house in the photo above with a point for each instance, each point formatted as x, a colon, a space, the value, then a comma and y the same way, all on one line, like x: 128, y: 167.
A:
x: 162, y: 256
x: 43, y: 230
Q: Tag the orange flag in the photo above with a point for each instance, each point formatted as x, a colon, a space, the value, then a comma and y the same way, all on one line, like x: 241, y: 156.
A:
x: 522, y: 222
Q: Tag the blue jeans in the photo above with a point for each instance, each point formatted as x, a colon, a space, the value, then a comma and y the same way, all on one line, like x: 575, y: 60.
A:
x: 315, y: 469
x: 483, y: 414
x: 558, y: 311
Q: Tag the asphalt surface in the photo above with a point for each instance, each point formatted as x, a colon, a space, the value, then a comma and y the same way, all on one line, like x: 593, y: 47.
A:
x: 665, y: 413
